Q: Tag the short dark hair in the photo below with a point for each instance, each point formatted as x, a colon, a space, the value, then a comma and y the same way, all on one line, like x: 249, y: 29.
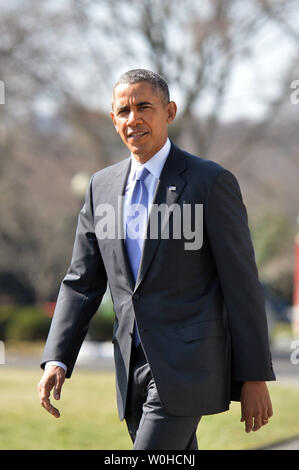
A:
x: 142, y: 75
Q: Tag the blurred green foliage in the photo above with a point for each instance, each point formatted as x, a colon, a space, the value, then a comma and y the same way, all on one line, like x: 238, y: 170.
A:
x: 23, y: 323
x: 6, y: 313
x: 31, y: 324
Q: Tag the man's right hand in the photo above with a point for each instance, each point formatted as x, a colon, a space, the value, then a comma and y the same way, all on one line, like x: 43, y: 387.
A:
x: 53, y: 377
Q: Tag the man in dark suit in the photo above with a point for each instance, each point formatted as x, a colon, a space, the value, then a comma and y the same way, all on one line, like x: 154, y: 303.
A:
x: 190, y: 331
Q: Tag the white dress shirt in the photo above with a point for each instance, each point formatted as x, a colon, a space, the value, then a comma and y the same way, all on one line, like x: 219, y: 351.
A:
x: 154, y: 165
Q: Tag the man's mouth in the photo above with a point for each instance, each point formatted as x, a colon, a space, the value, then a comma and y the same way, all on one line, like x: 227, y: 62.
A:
x: 136, y: 134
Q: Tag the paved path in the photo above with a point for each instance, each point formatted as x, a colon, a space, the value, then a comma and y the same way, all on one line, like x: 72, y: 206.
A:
x: 290, y: 444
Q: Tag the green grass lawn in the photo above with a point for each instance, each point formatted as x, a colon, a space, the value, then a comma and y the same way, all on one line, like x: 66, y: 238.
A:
x: 89, y: 416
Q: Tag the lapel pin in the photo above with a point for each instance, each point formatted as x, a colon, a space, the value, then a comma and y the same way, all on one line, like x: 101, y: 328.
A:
x: 172, y: 188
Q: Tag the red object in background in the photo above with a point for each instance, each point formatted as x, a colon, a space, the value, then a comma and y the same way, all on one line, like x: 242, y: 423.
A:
x: 48, y: 308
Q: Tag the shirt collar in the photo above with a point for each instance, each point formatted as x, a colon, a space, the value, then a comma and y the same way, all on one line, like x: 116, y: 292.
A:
x: 155, y: 164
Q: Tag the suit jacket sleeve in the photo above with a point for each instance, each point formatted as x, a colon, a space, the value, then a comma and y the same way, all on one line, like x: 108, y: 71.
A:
x: 231, y: 245
x: 80, y: 294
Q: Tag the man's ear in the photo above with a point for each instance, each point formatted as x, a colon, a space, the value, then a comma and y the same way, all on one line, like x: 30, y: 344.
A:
x: 114, y: 121
x: 171, y: 111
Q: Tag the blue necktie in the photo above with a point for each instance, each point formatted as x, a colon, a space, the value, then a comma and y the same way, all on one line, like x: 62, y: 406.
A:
x: 136, y: 224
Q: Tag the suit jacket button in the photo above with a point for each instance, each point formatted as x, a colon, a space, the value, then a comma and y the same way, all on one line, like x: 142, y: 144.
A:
x: 136, y: 296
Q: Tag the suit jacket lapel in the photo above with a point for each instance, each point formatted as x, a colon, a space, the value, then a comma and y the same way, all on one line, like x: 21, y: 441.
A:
x: 168, y: 190
x: 117, y: 196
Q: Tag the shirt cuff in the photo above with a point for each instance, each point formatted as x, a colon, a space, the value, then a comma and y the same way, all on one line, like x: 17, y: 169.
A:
x: 56, y: 363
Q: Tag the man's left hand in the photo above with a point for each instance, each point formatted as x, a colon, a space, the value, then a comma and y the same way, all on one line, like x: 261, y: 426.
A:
x: 256, y: 406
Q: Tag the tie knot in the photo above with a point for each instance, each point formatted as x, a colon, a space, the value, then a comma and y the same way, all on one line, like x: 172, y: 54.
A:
x: 141, y: 173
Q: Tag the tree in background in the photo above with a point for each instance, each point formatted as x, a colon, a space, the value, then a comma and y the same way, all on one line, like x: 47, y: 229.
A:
x: 64, y: 56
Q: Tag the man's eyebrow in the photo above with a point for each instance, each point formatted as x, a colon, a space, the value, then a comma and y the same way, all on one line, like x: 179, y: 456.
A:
x: 143, y: 103
x: 139, y: 105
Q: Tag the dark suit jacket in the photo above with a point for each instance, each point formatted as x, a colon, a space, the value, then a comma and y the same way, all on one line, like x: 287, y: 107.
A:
x: 200, y: 313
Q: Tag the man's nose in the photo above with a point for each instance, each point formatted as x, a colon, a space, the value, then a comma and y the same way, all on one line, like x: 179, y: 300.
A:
x: 134, y: 118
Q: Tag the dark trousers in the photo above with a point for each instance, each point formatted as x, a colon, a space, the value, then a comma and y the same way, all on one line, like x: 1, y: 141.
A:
x: 149, y: 424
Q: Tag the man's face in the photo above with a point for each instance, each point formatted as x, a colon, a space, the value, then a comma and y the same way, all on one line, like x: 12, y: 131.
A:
x: 141, y: 117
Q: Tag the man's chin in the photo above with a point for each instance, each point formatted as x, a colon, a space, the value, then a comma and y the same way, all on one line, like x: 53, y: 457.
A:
x: 137, y: 144
x: 137, y: 149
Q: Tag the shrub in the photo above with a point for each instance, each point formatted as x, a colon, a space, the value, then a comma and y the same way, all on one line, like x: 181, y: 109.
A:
x: 6, y: 311
x: 27, y: 324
